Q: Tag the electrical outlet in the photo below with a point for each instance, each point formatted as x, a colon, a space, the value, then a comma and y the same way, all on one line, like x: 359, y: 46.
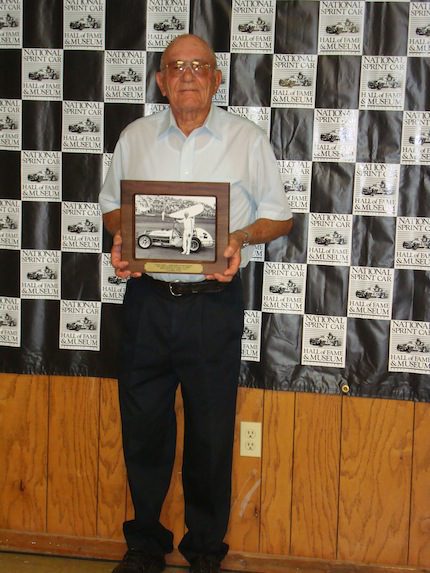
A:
x: 250, y: 439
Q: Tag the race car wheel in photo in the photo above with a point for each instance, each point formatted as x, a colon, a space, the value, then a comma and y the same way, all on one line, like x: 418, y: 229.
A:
x: 195, y: 245
x: 144, y: 241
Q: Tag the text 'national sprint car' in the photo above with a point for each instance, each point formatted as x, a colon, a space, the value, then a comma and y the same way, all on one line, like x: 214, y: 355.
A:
x: 173, y: 238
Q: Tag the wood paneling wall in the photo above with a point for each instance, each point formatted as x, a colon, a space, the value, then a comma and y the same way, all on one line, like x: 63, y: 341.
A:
x: 340, y: 478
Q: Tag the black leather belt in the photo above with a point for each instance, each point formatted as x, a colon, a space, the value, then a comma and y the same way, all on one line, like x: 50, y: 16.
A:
x: 178, y: 288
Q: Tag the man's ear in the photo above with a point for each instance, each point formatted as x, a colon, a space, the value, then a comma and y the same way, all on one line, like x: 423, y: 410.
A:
x: 159, y: 78
x: 218, y: 78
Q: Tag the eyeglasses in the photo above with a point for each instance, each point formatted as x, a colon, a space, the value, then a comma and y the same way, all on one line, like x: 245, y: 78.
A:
x: 178, y: 68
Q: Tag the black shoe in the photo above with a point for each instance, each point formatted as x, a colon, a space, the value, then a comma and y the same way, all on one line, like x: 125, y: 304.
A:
x: 135, y: 561
x: 205, y: 564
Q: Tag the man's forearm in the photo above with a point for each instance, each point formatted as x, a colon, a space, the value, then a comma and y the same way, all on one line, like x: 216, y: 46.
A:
x: 264, y: 230
x: 112, y: 221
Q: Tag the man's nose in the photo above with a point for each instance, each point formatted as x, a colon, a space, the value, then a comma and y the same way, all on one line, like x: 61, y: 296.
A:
x: 188, y: 71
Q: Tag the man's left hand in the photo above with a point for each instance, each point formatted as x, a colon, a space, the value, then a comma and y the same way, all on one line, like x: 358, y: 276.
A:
x: 232, y: 253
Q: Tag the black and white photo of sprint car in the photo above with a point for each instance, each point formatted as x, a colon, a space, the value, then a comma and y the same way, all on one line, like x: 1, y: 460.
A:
x: 387, y: 82
x: 377, y: 189
x: 42, y: 274
x: 7, y: 320
x: 282, y: 288
x: 81, y: 324
x: 166, y: 25
x: 83, y: 23
x: 114, y: 280
x: 328, y: 339
x: 423, y: 31
x: 126, y: 76
x: 258, y: 25
x: 334, y: 135
x: 42, y: 175
x: 294, y: 186
x: 83, y: 126
x: 8, y: 123
x: 7, y: 223
x: 8, y: 21
x: 414, y: 346
x: 86, y: 226
x: 417, y: 243
x: 347, y: 27
x: 334, y: 238
x: 420, y: 139
x: 371, y: 292
x: 300, y: 80
x: 248, y: 334
x: 47, y: 73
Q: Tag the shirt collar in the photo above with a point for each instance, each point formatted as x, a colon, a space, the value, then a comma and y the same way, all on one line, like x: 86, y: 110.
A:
x: 212, y: 123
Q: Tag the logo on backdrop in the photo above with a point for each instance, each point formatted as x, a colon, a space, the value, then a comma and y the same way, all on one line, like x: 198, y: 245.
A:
x: 416, y: 137
x: 107, y: 158
x: 10, y: 124
x: 329, y: 239
x: 370, y: 292
x: 11, y: 23
x: 252, y: 26
x: 80, y: 325
x: 223, y: 63
x: 41, y: 74
x: 258, y: 115
x: 409, y: 346
x: 412, y: 243
x: 125, y: 76
x: 113, y: 287
x: 10, y: 224
x: 10, y: 321
x: 165, y: 19
x: 376, y: 189
x: 258, y: 253
x: 40, y: 274
x: 419, y: 29
x: 81, y: 227
x: 83, y: 126
x: 293, y: 80
x: 251, y: 335
x: 41, y: 175
x: 84, y: 23
x: 335, y: 135
x: 324, y: 340
x: 383, y: 82
x: 284, y: 288
x: 341, y: 27
x: 296, y: 177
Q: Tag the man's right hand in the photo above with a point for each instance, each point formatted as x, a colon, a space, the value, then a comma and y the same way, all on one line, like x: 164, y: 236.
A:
x: 118, y: 264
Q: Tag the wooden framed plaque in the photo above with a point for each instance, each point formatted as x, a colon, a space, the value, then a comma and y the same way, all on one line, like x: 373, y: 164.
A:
x: 175, y: 226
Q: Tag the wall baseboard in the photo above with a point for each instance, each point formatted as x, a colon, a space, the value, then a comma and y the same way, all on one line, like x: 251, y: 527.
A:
x: 99, y: 548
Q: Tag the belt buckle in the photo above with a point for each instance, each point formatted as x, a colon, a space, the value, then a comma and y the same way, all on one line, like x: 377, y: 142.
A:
x: 171, y: 289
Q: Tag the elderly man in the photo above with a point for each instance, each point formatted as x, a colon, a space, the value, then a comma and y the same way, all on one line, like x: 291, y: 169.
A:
x: 187, y: 332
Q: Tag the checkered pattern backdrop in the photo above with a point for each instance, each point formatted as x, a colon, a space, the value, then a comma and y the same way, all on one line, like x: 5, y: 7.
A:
x: 341, y: 88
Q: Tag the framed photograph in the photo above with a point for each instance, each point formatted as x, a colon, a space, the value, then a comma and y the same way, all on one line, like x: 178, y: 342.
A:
x: 175, y: 226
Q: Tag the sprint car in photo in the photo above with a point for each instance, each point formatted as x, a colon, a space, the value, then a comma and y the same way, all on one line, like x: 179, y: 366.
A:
x: 248, y: 334
x: 417, y: 243
x: 8, y: 21
x: 172, y: 237
x: 7, y: 223
x: 114, y: 280
x: 420, y: 139
x: 42, y: 175
x: 83, y: 23
x: 282, y: 288
x: 83, y: 227
x: 44, y: 74
x: 7, y: 320
x: 166, y: 25
x: 346, y: 27
x: 8, y: 123
x: 334, y: 238
x: 295, y: 81
x: 413, y: 346
x: 83, y: 126
x: 126, y: 76
x: 325, y: 340
x: 258, y: 25
x: 423, y: 30
x: 387, y: 82
x: 81, y: 324
x: 371, y: 292
x: 377, y: 189
x: 41, y: 274
x: 294, y: 186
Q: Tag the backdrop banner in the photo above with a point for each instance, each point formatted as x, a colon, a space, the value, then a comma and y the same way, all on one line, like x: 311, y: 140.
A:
x: 342, y: 88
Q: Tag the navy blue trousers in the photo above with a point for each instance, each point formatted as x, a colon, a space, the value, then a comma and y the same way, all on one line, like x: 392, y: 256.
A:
x: 194, y: 341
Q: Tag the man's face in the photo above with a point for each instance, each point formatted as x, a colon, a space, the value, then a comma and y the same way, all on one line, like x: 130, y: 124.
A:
x: 188, y: 91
